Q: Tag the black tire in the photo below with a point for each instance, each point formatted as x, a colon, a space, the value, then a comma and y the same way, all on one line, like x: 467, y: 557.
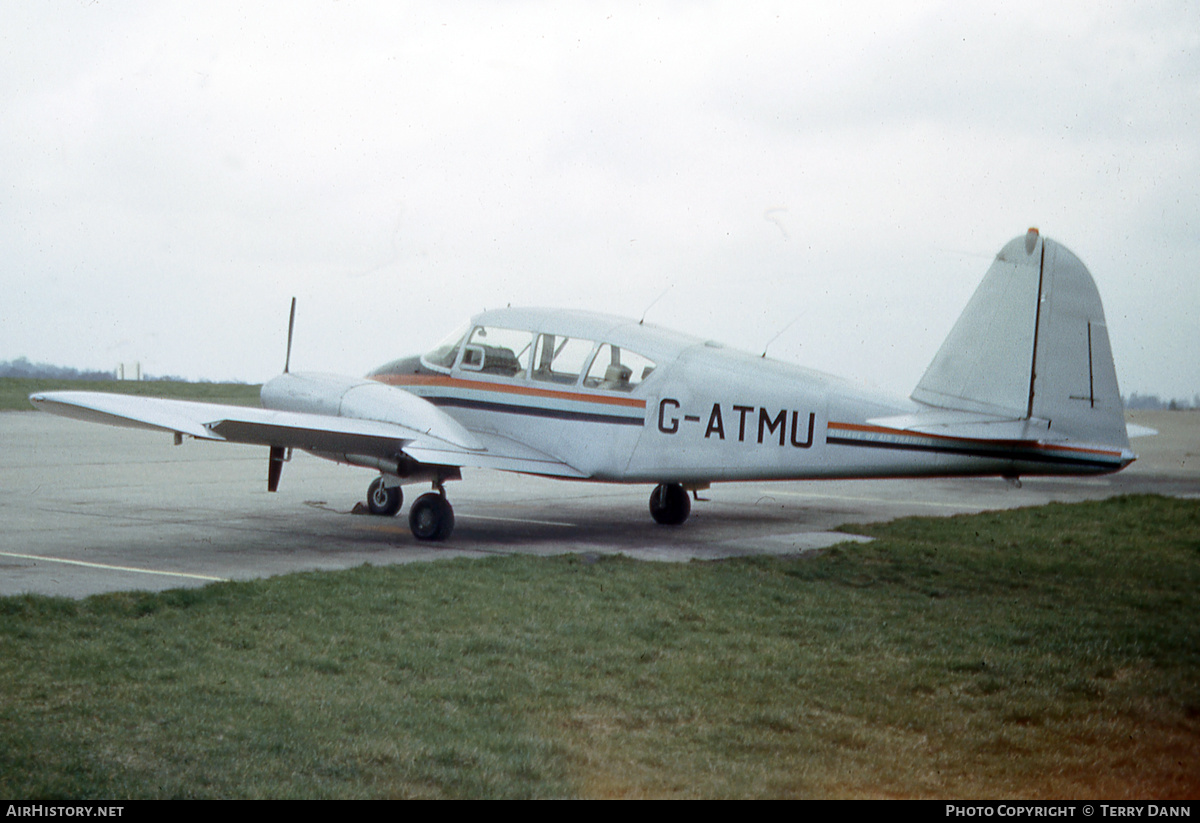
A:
x: 431, y: 517
x: 383, y: 501
x: 669, y: 504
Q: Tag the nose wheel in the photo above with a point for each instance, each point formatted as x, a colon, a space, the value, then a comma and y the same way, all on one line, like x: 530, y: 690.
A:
x: 431, y: 517
x: 669, y: 504
x: 383, y: 501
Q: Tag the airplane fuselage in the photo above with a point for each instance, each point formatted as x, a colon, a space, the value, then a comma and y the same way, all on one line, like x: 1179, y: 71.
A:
x: 708, y: 413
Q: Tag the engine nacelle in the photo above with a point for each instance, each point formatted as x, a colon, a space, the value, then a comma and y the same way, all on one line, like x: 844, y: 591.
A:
x: 355, y: 397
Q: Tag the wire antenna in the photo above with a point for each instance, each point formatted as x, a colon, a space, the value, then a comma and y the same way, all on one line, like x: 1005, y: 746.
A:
x: 652, y: 302
x: 795, y: 320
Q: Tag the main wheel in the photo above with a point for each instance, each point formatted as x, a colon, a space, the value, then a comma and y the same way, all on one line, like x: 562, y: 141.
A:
x: 382, y: 500
x: 431, y: 517
x: 669, y: 504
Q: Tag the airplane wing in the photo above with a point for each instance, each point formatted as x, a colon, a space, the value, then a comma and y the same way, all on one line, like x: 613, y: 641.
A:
x: 326, y: 434
x: 235, y: 424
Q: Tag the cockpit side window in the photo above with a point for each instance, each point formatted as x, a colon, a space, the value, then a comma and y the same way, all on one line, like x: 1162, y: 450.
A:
x: 560, y: 359
x: 617, y: 369
x: 498, y: 351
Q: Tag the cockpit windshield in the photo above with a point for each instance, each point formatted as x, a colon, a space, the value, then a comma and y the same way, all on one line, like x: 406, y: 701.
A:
x: 524, y: 354
x: 446, y: 352
x: 499, y: 351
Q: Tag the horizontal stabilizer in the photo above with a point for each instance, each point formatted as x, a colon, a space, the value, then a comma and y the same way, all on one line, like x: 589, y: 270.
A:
x: 1023, y: 443
x: 963, y: 424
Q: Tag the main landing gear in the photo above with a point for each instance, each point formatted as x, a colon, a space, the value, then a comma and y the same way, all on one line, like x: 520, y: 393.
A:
x: 669, y: 504
x: 431, y: 517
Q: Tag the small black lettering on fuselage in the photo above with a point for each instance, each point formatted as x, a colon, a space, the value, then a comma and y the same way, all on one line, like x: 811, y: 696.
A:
x: 772, y: 425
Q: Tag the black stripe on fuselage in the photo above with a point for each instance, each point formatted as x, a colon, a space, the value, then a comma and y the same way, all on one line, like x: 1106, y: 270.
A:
x: 536, y: 411
x: 995, y: 453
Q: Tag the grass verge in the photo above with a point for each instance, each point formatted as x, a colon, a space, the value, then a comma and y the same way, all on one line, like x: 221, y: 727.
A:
x: 1048, y: 652
x: 15, y: 391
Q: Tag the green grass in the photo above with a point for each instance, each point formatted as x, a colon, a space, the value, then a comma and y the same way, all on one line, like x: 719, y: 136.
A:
x: 1048, y: 652
x: 15, y: 391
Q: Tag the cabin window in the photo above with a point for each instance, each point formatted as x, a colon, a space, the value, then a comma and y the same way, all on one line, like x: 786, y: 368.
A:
x: 502, y: 352
x: 560, y: 359
x: 617, y: 369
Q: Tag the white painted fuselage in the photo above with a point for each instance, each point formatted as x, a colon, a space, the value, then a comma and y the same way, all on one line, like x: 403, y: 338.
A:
x: 708, y: 413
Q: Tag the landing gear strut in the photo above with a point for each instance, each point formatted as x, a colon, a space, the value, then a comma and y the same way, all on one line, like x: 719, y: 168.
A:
x: 669, y: 504
x: 431, y: 517
x: 383, y: 501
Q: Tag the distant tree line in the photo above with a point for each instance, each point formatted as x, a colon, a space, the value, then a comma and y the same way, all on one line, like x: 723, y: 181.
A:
x: 1153, y: 401
x: 21, y: 367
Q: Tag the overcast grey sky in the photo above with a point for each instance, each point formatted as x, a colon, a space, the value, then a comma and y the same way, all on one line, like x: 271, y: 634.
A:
x: 172, y: 173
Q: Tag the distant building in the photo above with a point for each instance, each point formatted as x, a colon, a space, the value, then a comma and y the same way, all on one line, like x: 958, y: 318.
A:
x: 129, y: 371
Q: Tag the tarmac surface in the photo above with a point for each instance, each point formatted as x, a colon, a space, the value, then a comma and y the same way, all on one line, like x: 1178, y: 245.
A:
x: 89, y: 509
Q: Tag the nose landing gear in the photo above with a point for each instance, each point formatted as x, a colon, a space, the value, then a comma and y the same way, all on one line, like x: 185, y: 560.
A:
x: 383, y: 501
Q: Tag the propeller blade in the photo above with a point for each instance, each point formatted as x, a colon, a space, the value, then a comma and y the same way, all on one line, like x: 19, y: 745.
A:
x: 291, y: 324
x: 275, y: 468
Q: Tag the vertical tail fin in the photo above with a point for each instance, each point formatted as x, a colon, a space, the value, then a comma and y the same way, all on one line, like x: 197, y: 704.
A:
x: 1032, y: 345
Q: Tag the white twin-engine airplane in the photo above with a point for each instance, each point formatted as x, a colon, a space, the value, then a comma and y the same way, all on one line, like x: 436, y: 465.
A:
x: 1024, y: 385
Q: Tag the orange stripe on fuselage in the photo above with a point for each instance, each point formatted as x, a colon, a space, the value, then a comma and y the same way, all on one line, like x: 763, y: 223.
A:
x: 401, y: 380
x: 1031, y: 444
